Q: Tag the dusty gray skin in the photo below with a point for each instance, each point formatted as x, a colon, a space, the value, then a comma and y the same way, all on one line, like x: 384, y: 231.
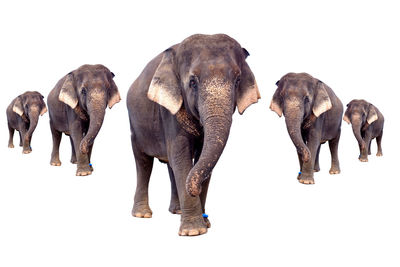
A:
x: 367, y: 123
x: 180, y: 111
x: 77, y: 107
x: 313, y: 116
x: 23, y: 116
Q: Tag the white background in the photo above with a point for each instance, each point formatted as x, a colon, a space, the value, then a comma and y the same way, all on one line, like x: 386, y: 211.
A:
x: 260, y: 214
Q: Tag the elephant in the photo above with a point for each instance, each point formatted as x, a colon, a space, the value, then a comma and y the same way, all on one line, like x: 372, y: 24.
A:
x: 76, y: 108
x: 23, y: 116
x: 367, y: 123
x: 313, y: 116
x: 180, y: 111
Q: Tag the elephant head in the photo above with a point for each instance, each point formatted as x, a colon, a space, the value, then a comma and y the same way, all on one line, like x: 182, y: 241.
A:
x: 208, y: 76
x: 360, y: 114
x: 29, y: 106
x: 88, y: 91
x: 301, y: 99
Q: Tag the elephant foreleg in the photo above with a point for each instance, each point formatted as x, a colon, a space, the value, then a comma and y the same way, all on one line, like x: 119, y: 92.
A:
x: 203, y: 197
x: 180, y: 159
x: 83, y: 167
x: 144, y: 166
x: 364, y: 150
x: 333, y: 147
x: 378, y: 143
x: 10, y: 140
x: 55, y: 154
x: 307, y: 173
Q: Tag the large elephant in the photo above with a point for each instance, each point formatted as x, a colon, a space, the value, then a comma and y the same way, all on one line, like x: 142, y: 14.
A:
x: 313, y: 116
x: 23, y: 116
x: 367, y: 123
x: 77, y: 107
x: 180, y: 111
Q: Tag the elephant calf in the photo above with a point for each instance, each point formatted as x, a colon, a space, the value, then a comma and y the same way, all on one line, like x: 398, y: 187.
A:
x: 23, y: 116
x: 367, y: 122
x: 180, y: 110
x: 77, y: 107
x: 313, y: 116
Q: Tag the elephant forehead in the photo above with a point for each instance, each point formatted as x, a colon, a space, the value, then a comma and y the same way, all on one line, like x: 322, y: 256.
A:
x: 292, y: 102
x: 217, y: 87
x: 97, y: 94
x: 34, y: 107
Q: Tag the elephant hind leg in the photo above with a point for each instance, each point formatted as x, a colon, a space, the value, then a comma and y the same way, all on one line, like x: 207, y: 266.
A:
x: 10, y: 140
x: 333, y: 147
x: 20, y: 139
x: 369, y: 147
x: 73, y: 154
x: 174, y: 206
x: 378, y: 142
x: 144, y: 166
x: 316, y: 164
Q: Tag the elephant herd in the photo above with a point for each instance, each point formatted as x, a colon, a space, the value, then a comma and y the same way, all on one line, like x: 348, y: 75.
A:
x: 180, y: 112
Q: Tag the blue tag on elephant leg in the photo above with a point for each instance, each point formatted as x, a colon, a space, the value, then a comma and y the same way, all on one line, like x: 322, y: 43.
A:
x: 205, y: 215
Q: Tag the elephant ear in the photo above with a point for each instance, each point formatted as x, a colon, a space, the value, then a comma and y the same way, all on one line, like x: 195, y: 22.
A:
x: 68, y: 93
x: 322, y: 102
x: 276, y: 102
x: 114, y: 96
x: 248, y: 92
x: 372, y: 114
x: 44, y: 110
x: 346, y: 119
x: 164, y: 88
x: 17, y: 107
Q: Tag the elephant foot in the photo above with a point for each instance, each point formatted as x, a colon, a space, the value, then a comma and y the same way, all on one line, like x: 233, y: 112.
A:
x: 316, y: 169
x: 83, y: 171
x: 363, y: 159
x: 141, y: 211
x: 55, y: 162
x: 175, y: 208
x: 305, y: 180
x: 334, y: 170
x: 11, y: 145
x: 193, y: 226
x: 74, y: 161
x: 27, y: 151
x: 207, y: 221
x: 379, y: 154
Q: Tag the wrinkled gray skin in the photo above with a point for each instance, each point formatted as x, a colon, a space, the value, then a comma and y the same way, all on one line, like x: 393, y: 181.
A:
x: 76, y: 108
x: 313, y: 116
x: 23, y: 116
x: 180, y: 111
x: 367, y: 123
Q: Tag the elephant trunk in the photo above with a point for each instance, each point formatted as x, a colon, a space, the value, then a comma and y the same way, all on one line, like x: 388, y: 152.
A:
x: 96, y: 111
x: 216, y: 106
x: 294, y: 119
x: 356, y: 125
x: 33, y: 121
x: 216, y: 133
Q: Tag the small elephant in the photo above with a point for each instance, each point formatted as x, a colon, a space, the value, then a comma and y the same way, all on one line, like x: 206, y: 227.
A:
x: 23, y: 116
x: 367, y: 123
x: 180, y: 111
x: 313, y: 116
x: 77, y: 107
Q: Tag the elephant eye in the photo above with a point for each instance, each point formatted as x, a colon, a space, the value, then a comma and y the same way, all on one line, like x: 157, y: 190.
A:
x: 193, y: 83
x: 83, y: 91
x: 237, y: 82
